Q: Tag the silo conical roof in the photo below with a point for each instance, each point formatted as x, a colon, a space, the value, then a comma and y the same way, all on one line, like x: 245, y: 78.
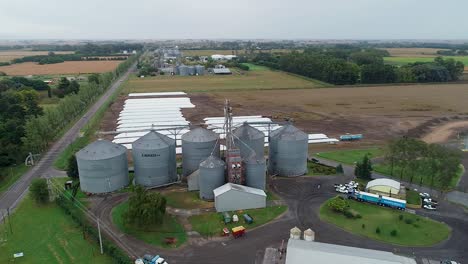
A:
x: 212, y: 162
x: 152, y: 140
x: 289, y: 132
x: 246, y: 131
x: 100, y: 149
x: 200, y: 134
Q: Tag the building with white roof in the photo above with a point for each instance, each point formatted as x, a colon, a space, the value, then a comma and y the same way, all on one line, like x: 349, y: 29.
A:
x: 383, y: 186
x: 232, y: 197
x: 301, y: 252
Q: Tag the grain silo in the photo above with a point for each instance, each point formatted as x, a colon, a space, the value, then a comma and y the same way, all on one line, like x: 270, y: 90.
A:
x: 103, y: 167
x: 183, y: 70
x: 211, y: 176
x: 197, y: 145
x: 288, y: 151
x: 191, y: 70
x: 255, y: 172
x: 248, y: 139
x: 200, y: 70
x: 154, y: 159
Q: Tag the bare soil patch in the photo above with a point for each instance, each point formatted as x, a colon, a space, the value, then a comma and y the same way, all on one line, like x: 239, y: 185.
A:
x: 443, y: 133
x: 68, y: 67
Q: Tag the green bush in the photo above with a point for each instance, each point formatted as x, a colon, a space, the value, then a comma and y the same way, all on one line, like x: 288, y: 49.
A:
x: 353, y: 214
x: 317, y: 168
x: 409, y: 221
x: 363, y: 226
x: 400, y: 217
x: 338, y: 204
x: 39, y: 190
x: 377, y: 230
x: 394, y: 232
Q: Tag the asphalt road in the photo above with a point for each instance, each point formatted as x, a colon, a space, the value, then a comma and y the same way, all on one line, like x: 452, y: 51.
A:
x: 44, y: 168
x: 304, y: 199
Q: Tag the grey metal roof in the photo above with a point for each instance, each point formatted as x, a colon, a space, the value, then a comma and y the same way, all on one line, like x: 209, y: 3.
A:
x: 246, y: 131
x: 221, y: 70
x: 100, y: 149
x: 152, y: 140
x: 289, y: 132
x: 231, y: 186
x: 301, y: 251
x: 200, y: 134
x: 212, y: 162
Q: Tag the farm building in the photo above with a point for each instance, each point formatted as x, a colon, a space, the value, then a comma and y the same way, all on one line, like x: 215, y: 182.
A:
x: 301, y: 251
x: 231, y: 197
x: 384, y: 187
x: 222, y: 71
x: 218, y: 57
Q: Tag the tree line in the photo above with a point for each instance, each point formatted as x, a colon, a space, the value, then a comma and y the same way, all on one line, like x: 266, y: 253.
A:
x: 52, y: 58
x: 353, y: 65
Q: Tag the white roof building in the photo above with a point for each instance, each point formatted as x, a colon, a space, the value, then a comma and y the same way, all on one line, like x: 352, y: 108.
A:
x: 301, y: 252
x: 232, y: 197
x: 383, y: 186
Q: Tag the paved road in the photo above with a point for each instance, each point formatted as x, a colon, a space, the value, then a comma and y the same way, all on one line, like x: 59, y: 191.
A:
x: 44, y: 168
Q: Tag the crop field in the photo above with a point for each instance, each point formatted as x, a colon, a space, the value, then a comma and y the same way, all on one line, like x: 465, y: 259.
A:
x: 411, y: 59
x: 68, y: 67
x: 8, y: 55
x: 249, y: 80
x: 222, y: 52
x: 412, y: 52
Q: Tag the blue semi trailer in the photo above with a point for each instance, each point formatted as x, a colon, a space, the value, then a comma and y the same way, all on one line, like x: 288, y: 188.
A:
x: 378, y: 199
x: 350, y: 137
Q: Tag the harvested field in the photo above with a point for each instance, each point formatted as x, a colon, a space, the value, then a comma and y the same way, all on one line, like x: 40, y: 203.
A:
x: 412, y: 52
x: 222, y: 52
x: 8, y: 55
x: 68, y: 67
x: 250, y: 80
x: 443, y: 133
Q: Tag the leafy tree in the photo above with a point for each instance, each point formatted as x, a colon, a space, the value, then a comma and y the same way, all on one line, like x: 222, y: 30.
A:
x: 145, y: 208
x: 366, y: 57
x: 339, y: 169
x: 378, y: 73
x: 338, y: 204
x: 72, y: 168
x: 93, y: 78
x: 63, y: 84
x: 364, y: 169
x: 39, y: 190
x: 74, y: 87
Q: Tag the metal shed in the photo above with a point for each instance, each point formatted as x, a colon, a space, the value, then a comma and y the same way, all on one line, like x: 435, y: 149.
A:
x: 154, y: 158
x: 197, y: 145
x: 103, y: 167
x: 248, y: 139
x: 288, y: 151
x: 232, y: 197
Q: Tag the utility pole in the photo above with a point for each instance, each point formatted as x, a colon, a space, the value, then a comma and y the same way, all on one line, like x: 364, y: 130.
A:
x: 100, y: 238
x: 9, y: 219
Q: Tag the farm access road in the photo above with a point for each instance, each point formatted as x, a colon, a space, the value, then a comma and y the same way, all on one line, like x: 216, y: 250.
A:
x: 44, y: 168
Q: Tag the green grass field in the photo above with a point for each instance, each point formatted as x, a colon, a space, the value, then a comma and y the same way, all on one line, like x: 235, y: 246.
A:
x: 46, y: 235
x: 351, y: 156
x: 412, y: 197
x: 412, y: 230
x: 186, y: 200
x: 211, y: 224
x: 406, y: 60
x: 254, y: 67
x: 257, y: 79
x: 153, y: 235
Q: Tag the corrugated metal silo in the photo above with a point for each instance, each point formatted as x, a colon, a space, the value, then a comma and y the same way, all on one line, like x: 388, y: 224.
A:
x: 288, y: 151
x: 183, y: 70
x: 248, y: 138
x: 191, y: 70
x: 154, y: 159
x: 197, y: 145
x: 211, y: 176
x: 103, y: 167
x: 200, y: 69
x: 255, y: 172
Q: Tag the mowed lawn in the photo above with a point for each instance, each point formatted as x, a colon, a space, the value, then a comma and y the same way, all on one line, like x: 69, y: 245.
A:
x: 45, y: 234
x: 154, y: 235
x: 249, y: 80
x: 186, y: 200
x: 351, y: 156
x: 411, y: 230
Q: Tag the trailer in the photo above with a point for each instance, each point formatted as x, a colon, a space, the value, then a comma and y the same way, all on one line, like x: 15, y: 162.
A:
x: 351, y: 137
x: 238, y: 231
x: 226, y: 218
x: 378, y: 199
x: 248, y: 219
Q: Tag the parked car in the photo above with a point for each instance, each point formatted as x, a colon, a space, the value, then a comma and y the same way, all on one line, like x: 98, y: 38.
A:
x: 424, y: 195
x: 448, y: 262
x: 342, y: 189
x: 429, y: 207
x: 430, y: 201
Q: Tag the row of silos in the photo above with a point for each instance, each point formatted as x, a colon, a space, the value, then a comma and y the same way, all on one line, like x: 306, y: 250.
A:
x: 184, y: 70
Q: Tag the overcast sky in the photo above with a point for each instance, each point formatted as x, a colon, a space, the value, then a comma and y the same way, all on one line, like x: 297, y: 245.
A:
x: 200, y: 19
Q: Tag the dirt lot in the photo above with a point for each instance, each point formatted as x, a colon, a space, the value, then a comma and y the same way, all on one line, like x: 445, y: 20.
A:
x: 378, y: 112
x: 412, y: 52
x: 68, y: 67
x: 443, y: 133
x: 8, y: 55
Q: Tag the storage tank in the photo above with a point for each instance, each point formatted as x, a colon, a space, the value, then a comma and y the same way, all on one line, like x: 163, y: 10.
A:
x: 183, y: 70
x: 154, y: 159
x: 255, y: 172
x: 288, y: 151
x: 211, y: 176
x: 248, y: 138
x: 200, y: 69
x: 103, y: 167
x: 191, y: 70
x: 197, y: 145
x: 295, y: 233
